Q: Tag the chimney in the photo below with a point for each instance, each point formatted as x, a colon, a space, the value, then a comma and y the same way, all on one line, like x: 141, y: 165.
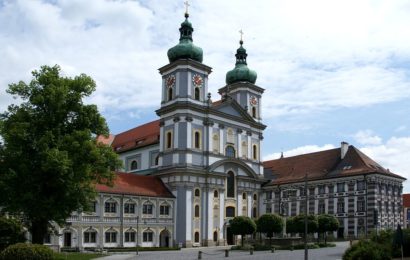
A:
x: 344, y: 146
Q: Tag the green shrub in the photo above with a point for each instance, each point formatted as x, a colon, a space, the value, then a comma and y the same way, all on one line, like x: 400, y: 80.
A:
x: 11, y: 232
x: 322, y: 244
x: 364, y: 250
x: 22, y: 251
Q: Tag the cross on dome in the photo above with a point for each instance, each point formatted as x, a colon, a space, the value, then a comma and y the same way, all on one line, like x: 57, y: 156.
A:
x: 186, y: 3
x: 241, y: 33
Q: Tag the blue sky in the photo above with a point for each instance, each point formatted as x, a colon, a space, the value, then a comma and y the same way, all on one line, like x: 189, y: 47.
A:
x: 333, y: 70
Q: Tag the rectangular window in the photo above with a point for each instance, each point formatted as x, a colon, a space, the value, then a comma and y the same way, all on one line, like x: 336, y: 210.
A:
x: 268, y: 209
x: 130, y: 236
x: 129, y: 208
x: 321, y: 208
x: 408, y: 214
x: 90, y: 237
x: 110, y: 237
x: 387, y: 207
x: 360, y: 205
x: 147, y: 209
x: 302, y: 192
x: 164, y: 210
x: 147, y: 237
x: 268, y: 195
x: 340, y: 187
x: 340, y: 207
x: 360, y: 185
x: 230, y: 212
x: 110, y: 207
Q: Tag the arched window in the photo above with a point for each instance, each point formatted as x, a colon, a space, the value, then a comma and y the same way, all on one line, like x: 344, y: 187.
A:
x: 255, y: 152
x: 156, y: 160
x: 196, y: 211
x: 170, y: 90
x: 215, y: 236
x: 230, y: 151
x: 230, y: 136
x: 230, y: 185
x: 168, y: 144
x: 197, y: 140
x: 134, y: 165
x: 197, y: 93
x: 244, y: 196
x: 255, y: 197
x: 215, y: 143
x: 254, y: 213
x: 197, y: 193
x: 254, y: 112
x: 196, y: 239
x: 216, y: 194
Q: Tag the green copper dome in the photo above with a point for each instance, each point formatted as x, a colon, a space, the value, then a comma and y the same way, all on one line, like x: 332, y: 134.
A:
x: 185, y: 49
x: 241, y: 72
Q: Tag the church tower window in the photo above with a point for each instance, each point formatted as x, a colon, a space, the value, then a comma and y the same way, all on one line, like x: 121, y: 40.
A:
x: 196, y: 237
x: 196, y: 214
x: 216, y: 195
x: 255, y: 152
x: 254, y: 112
x: 170, y: 93
x: 168, y: 143
x: 230, y: 185
x: 197, y: 193
x: 197, y: 140
x: 197, y: 93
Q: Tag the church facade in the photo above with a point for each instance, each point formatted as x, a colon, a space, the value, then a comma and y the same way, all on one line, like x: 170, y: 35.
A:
x: 207, y: 155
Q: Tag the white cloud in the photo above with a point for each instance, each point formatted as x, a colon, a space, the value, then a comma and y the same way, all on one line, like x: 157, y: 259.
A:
x: 308, y: 56
x: 393, y: 154
x: 299, y: 150
x: 367, y: 137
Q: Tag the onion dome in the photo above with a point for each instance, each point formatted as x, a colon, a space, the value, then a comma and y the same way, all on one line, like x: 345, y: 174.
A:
x: 241, y: 72
x: 185, y: 49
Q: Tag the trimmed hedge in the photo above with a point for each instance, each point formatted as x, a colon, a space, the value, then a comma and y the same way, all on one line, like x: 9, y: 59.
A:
x: 366, y: 250
x: 22, y: 251
x: 133, y: 249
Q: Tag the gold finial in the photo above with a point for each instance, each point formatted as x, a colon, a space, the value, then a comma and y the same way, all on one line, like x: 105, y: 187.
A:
x: 186, y: 3
x: 241, y: 33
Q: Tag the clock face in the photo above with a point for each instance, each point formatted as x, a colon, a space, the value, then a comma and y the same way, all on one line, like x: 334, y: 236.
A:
x: 170, y: 81
x: 253, y: 100
x: 197, y: 80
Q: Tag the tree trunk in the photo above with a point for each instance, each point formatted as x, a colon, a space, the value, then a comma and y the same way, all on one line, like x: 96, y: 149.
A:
x: 242, y: 239
x: 38, y: 230
x: 325, y: 236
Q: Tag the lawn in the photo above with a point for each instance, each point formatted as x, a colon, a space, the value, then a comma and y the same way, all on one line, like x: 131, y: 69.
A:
x: 76, y: 256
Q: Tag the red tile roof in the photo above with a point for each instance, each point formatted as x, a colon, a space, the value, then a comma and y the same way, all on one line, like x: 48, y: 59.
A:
x: 139, y: 136
x: 323, y: 164
x: 406, y: 200
x: 133, y: 184
x: 105, y: 140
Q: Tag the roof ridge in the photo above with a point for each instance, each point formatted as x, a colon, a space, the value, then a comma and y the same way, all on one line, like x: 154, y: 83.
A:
x: 304, y: 154
x: 126, y: 131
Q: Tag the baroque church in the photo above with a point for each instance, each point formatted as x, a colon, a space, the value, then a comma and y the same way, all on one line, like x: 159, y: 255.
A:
x: 199, y: 165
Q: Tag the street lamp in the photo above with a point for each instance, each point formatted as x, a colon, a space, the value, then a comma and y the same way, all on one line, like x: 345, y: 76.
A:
x: 306, y: 220
x: 138, y: 218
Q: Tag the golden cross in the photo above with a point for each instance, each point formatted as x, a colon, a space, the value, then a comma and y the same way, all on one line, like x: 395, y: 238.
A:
x: 241, y: 33
x: 186, y: 3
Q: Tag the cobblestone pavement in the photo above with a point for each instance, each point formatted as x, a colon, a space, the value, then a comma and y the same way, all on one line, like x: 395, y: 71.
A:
x: 330, y: 253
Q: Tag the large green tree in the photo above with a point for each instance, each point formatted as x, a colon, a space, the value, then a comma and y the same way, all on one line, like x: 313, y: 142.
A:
x: 49, y: 158
x: 327, y: 223
x: 242, y: 225
x: 269, y: 224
